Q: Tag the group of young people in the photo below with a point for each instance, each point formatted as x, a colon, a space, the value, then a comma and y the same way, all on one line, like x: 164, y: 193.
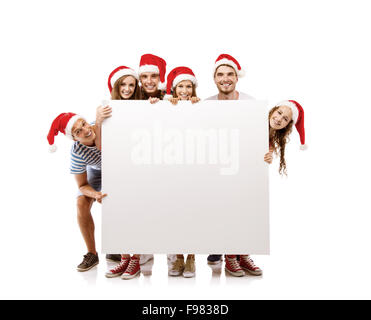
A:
x: 149, y: 84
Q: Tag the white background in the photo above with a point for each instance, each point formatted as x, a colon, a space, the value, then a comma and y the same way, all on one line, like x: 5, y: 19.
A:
x: 56, y: 57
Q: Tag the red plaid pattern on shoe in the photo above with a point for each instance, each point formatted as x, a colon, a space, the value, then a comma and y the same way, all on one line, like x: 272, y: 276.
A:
x: 233, y: 267
x: 248, y: 265
x: 119, y: 269
x: 132, y: 270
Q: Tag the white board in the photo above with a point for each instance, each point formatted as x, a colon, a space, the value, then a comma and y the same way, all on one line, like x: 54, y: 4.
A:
x: 186, y: 178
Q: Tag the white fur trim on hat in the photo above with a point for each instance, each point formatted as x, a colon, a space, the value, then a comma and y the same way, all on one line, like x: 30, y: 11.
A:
x: 70, y: 124
x: 303, y: 147
x: 123, y: 72
x: 148, y: 68
x: 183, y: 77
x: 292, y: 106
x: 167, y: 96
x: 240, y: 73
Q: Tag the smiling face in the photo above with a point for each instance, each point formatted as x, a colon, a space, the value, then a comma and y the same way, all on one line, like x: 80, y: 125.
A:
x: 280, y: 117
x: 184, y: 90
x: 225, y: 79
x: 149, y: 81
x: 127, y: 87
x: 83, y: 132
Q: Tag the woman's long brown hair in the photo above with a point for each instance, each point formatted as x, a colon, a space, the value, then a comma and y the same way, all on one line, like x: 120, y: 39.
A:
x: 115, y: 93
x: 278, y: 140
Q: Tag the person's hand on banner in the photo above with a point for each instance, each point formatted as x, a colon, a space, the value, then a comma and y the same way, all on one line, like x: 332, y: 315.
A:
x: 99, y: 196
x: 195, y: 99
x: 268, y: 158
x: 174, y: 101
x: 103, y: 112
x: 153, y: 100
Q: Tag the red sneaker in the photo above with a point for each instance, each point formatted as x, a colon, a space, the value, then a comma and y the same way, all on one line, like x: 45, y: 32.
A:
x: 233, y: 267
x: 248, y: 265
x: 119, y: 269
x: 132, y: 270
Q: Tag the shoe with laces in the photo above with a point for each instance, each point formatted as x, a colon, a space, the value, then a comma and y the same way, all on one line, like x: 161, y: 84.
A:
x: 233, y: 267
x: 177, y: 268
x: 190, y: 268
x: 249, y: 266
x: 132, y: 270
x: 119, y: 269
x: 90, y: 260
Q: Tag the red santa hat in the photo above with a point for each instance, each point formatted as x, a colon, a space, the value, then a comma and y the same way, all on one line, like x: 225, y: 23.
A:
x: 118, y: 73
x: 178, y: 75
x: 298, y: 118
x: 229, y: 61
x: 152, y: 63
x: 63, y: 123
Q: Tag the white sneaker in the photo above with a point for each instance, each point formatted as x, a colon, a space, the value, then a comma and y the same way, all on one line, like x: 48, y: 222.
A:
x: 144, y: 258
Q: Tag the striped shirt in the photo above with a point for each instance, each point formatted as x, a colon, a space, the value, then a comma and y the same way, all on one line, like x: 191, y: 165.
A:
x: 83, y: 156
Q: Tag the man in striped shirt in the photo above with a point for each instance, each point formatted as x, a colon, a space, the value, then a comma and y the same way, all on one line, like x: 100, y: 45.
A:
x: 86, y: 167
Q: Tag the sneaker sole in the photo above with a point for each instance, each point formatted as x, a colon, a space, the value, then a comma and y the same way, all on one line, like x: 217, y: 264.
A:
x: 87, y: 269
x: 235, y: 274
x: 130, y: 277
x: 254, y: 273
x: 175, y: 275
x: 109, y: 275
x: 189, y: 275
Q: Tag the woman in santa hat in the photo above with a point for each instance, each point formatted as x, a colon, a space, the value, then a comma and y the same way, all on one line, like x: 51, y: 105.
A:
x: 282, y: 117
x: 123, y: 83
x: 181, y: 85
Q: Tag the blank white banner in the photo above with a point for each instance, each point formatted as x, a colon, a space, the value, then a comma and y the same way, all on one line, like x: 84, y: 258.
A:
x: 185, y: 179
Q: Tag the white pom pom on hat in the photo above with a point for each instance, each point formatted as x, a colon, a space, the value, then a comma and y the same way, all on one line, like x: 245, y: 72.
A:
x: 168, y: 96
x: 52, y: 148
